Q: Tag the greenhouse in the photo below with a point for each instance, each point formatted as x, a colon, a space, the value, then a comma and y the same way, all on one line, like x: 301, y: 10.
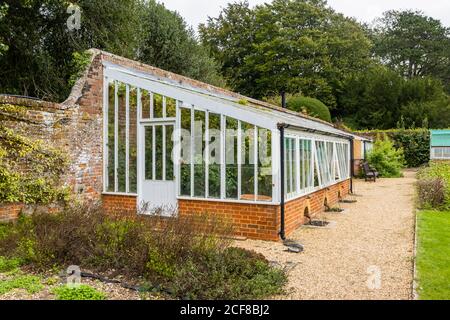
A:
x: 177, y: 145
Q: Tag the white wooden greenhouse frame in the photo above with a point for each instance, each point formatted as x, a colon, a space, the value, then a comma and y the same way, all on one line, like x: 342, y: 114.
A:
x: 335, y: 158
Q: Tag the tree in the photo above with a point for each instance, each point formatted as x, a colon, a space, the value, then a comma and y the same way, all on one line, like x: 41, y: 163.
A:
x: 41, y: 48
x: 292, y: 46
x: 3, y: 10
x: 414, y: 45
x: 40, y: 45
x: 382, y: 99
x: 167, y: 42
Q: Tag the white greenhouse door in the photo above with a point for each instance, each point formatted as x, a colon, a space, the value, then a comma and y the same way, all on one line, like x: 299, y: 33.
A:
x: 158, y: 189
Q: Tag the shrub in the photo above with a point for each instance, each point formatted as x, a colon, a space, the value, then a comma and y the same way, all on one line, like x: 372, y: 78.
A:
x: 386, y: 159
x: 431, y: 193
x: 310, y: 106
x: 81, y: 292
x: 188, y: 257
x: 306, y: 105
x: 436, y: 176
x: 233, y: 274
x: 414, y: 142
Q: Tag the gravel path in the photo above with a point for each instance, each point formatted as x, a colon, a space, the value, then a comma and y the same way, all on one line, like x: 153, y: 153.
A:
x: 374, y: 234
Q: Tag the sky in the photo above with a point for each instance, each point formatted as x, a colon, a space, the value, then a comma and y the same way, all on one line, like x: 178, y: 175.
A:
x: 197, y: 11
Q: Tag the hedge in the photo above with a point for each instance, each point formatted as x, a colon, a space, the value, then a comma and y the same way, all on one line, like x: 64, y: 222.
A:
x: 415, y: 143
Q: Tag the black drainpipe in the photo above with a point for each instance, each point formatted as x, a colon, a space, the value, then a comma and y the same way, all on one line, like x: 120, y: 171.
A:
x: 352, y: 164
x: 282, y: 233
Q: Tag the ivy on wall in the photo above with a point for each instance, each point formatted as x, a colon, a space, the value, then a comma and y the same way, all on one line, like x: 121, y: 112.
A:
x: 415, y: 144
x: 30, y: 171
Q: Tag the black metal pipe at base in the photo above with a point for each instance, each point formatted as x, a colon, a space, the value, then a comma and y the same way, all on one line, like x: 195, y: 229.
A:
x: 282, y: 203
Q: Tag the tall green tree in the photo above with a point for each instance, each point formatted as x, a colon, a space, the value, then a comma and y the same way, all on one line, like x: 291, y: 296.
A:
x: 414, y: 45
x: 293, y: 46
x: 166, y: 41
x: 40, y: 44
x: 381, y: 98
x: 41, y: 48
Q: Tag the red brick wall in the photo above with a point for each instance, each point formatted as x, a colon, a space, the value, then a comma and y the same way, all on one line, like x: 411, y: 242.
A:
x: 10, y: 211
x: 255, y: 221
x: 294, y: 210
x: 119, y: 203
x: 259, y: 221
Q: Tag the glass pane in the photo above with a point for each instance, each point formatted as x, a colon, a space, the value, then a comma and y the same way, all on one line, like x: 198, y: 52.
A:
x: 110, y: 137
x: 132, y: 138
x: 157, y: 105
x: 214, y: 156
x: 145, y: 104
x: 158, y: 152
x: 185, y: 155
x: 170, y: 107
x: 248, y: 162
x: 231, y: 172
x: 199, y: 150
x: 169, y: 153
x: 302, y: 164
x: 316, y: 176
x: 121, y: 138
x: 264, y: 165
x: 148, y: 155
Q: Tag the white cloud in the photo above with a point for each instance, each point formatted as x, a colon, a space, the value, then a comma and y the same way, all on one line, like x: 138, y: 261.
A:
x: 197, y: 11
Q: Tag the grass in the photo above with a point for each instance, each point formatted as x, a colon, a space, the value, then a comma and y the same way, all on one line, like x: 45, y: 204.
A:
x: 81, y: 292
x: 32, y: 284
x: 433, y: 255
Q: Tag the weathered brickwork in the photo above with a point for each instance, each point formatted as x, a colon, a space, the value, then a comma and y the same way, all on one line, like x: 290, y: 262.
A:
x: 10, y: 211
x: 74, y: 126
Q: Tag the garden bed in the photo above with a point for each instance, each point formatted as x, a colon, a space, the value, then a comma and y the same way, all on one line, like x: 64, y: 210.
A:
x: 173, y: 258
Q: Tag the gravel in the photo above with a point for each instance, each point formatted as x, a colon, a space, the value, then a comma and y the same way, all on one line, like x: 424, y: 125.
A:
x: 375, y: 234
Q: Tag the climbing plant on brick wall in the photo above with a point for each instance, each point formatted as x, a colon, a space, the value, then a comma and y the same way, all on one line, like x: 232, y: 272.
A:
x: 30, y: 171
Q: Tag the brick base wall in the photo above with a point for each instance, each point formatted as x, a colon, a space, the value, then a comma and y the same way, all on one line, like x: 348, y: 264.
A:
x: 315, y: 204
x: 254, y: 221
x: 10, y: 211
x: 258, y: 221
x: 119, y: 203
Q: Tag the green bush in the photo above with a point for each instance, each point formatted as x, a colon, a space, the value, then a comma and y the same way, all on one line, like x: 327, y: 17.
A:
x: 435, y: 171
x: 186, y: 257
x: 80, y: 292
x: 310, y: 106
x: 232, y: 274
x: 386, y: 158
x: 414, y: 142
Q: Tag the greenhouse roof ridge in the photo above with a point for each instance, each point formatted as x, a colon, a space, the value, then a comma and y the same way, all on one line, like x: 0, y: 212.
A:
x: 204, y: 88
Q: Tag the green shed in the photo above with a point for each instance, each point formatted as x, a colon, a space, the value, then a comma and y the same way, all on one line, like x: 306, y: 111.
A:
x: 440, y: 144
